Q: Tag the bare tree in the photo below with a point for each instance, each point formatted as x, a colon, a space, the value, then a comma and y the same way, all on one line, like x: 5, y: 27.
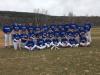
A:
x: 70, y: 14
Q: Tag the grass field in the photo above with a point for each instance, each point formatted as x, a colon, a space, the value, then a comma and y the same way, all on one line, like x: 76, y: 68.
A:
x: 66, y: 61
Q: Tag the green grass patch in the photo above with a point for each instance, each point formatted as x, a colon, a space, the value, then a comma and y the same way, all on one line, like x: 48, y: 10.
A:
x: 65, y: 61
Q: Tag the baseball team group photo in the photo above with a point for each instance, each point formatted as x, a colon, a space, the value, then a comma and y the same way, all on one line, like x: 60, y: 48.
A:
x: 49, y: 37
x: 33, y: 37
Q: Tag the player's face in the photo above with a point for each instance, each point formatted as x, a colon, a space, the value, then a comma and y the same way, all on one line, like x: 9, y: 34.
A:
x: 31, y: 30
x: 30, y: 24
x: 17, y: 32
x: 24, y: 32
x: 30, y: 39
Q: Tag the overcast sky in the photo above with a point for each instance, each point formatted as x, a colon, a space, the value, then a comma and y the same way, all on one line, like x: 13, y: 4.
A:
x: 54, y: 7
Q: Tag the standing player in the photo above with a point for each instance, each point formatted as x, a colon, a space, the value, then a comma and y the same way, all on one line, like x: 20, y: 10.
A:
x: 83, y: 39
x: 45, y: 28
x: 87, y: 28
x: 16, y: 28
x: 30, y: 27
x: 23, y: 28
x: 7, y: 29
x: 83, y: 36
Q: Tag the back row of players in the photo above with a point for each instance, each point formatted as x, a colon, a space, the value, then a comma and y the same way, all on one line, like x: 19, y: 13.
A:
x: 39, y: 37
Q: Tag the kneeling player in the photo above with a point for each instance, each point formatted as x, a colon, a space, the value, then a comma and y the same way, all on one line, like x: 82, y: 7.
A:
x: 72, y: 39
x: 30, y: 44
x: 17, y: 40
x: 24, y: 38
x: 73, y: 43
x: 55, y: 43
x: 63, y: 42
x: 40, y: 43
x: 48, y: 42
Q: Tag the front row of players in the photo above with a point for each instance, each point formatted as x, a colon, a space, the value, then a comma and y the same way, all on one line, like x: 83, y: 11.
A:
x: 68, y: 39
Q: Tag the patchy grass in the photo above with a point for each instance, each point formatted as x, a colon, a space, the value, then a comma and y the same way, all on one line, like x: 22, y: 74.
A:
x: 66, y: 61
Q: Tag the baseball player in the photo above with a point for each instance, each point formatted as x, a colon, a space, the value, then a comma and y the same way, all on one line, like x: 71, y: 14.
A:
x: 40, y: 43
x: 23, y: 28
x: 24, y: 38
x: 63, y: 42
x: 87, y: 28
x: 30, y: 27
x: 83, y: 36
x: 17, y: 40
x: 72, y: 41
x: 30, y: 44
x: 54, y: 43
x: 16, y: 28
x: 7, y: 29
x: 48, y: 42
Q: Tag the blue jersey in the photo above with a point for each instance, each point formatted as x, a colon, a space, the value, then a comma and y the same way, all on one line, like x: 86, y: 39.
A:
x: 48, y: 41
x: 50, y: 34
x: 23, y: 27
x: 40, y: 42
x: 55, y: 41
x: 61, y: 28
x: 73, y: 26
x: 38, y: 28
x: 83, y: 39
x: 87, y: 27
x: 66, y: 27
x: 70, y: 34
x: 64, y: 40
x: 16, y: 27
x: 83, y: 36
x: 24, y: 37
x: 40, y: 33
x: 31, y: 28
x: 53, y: 27
x: 81, y: 29
x: 56, y: 33
x: 31, y: 34
x: 17, y: 36
x: 62, y: 34
x: 7, y: 29
x: 76, y: 33
x: 73, y: 41
x: 45, y: 28
x: 82, y: 33
x: 30, y: 43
